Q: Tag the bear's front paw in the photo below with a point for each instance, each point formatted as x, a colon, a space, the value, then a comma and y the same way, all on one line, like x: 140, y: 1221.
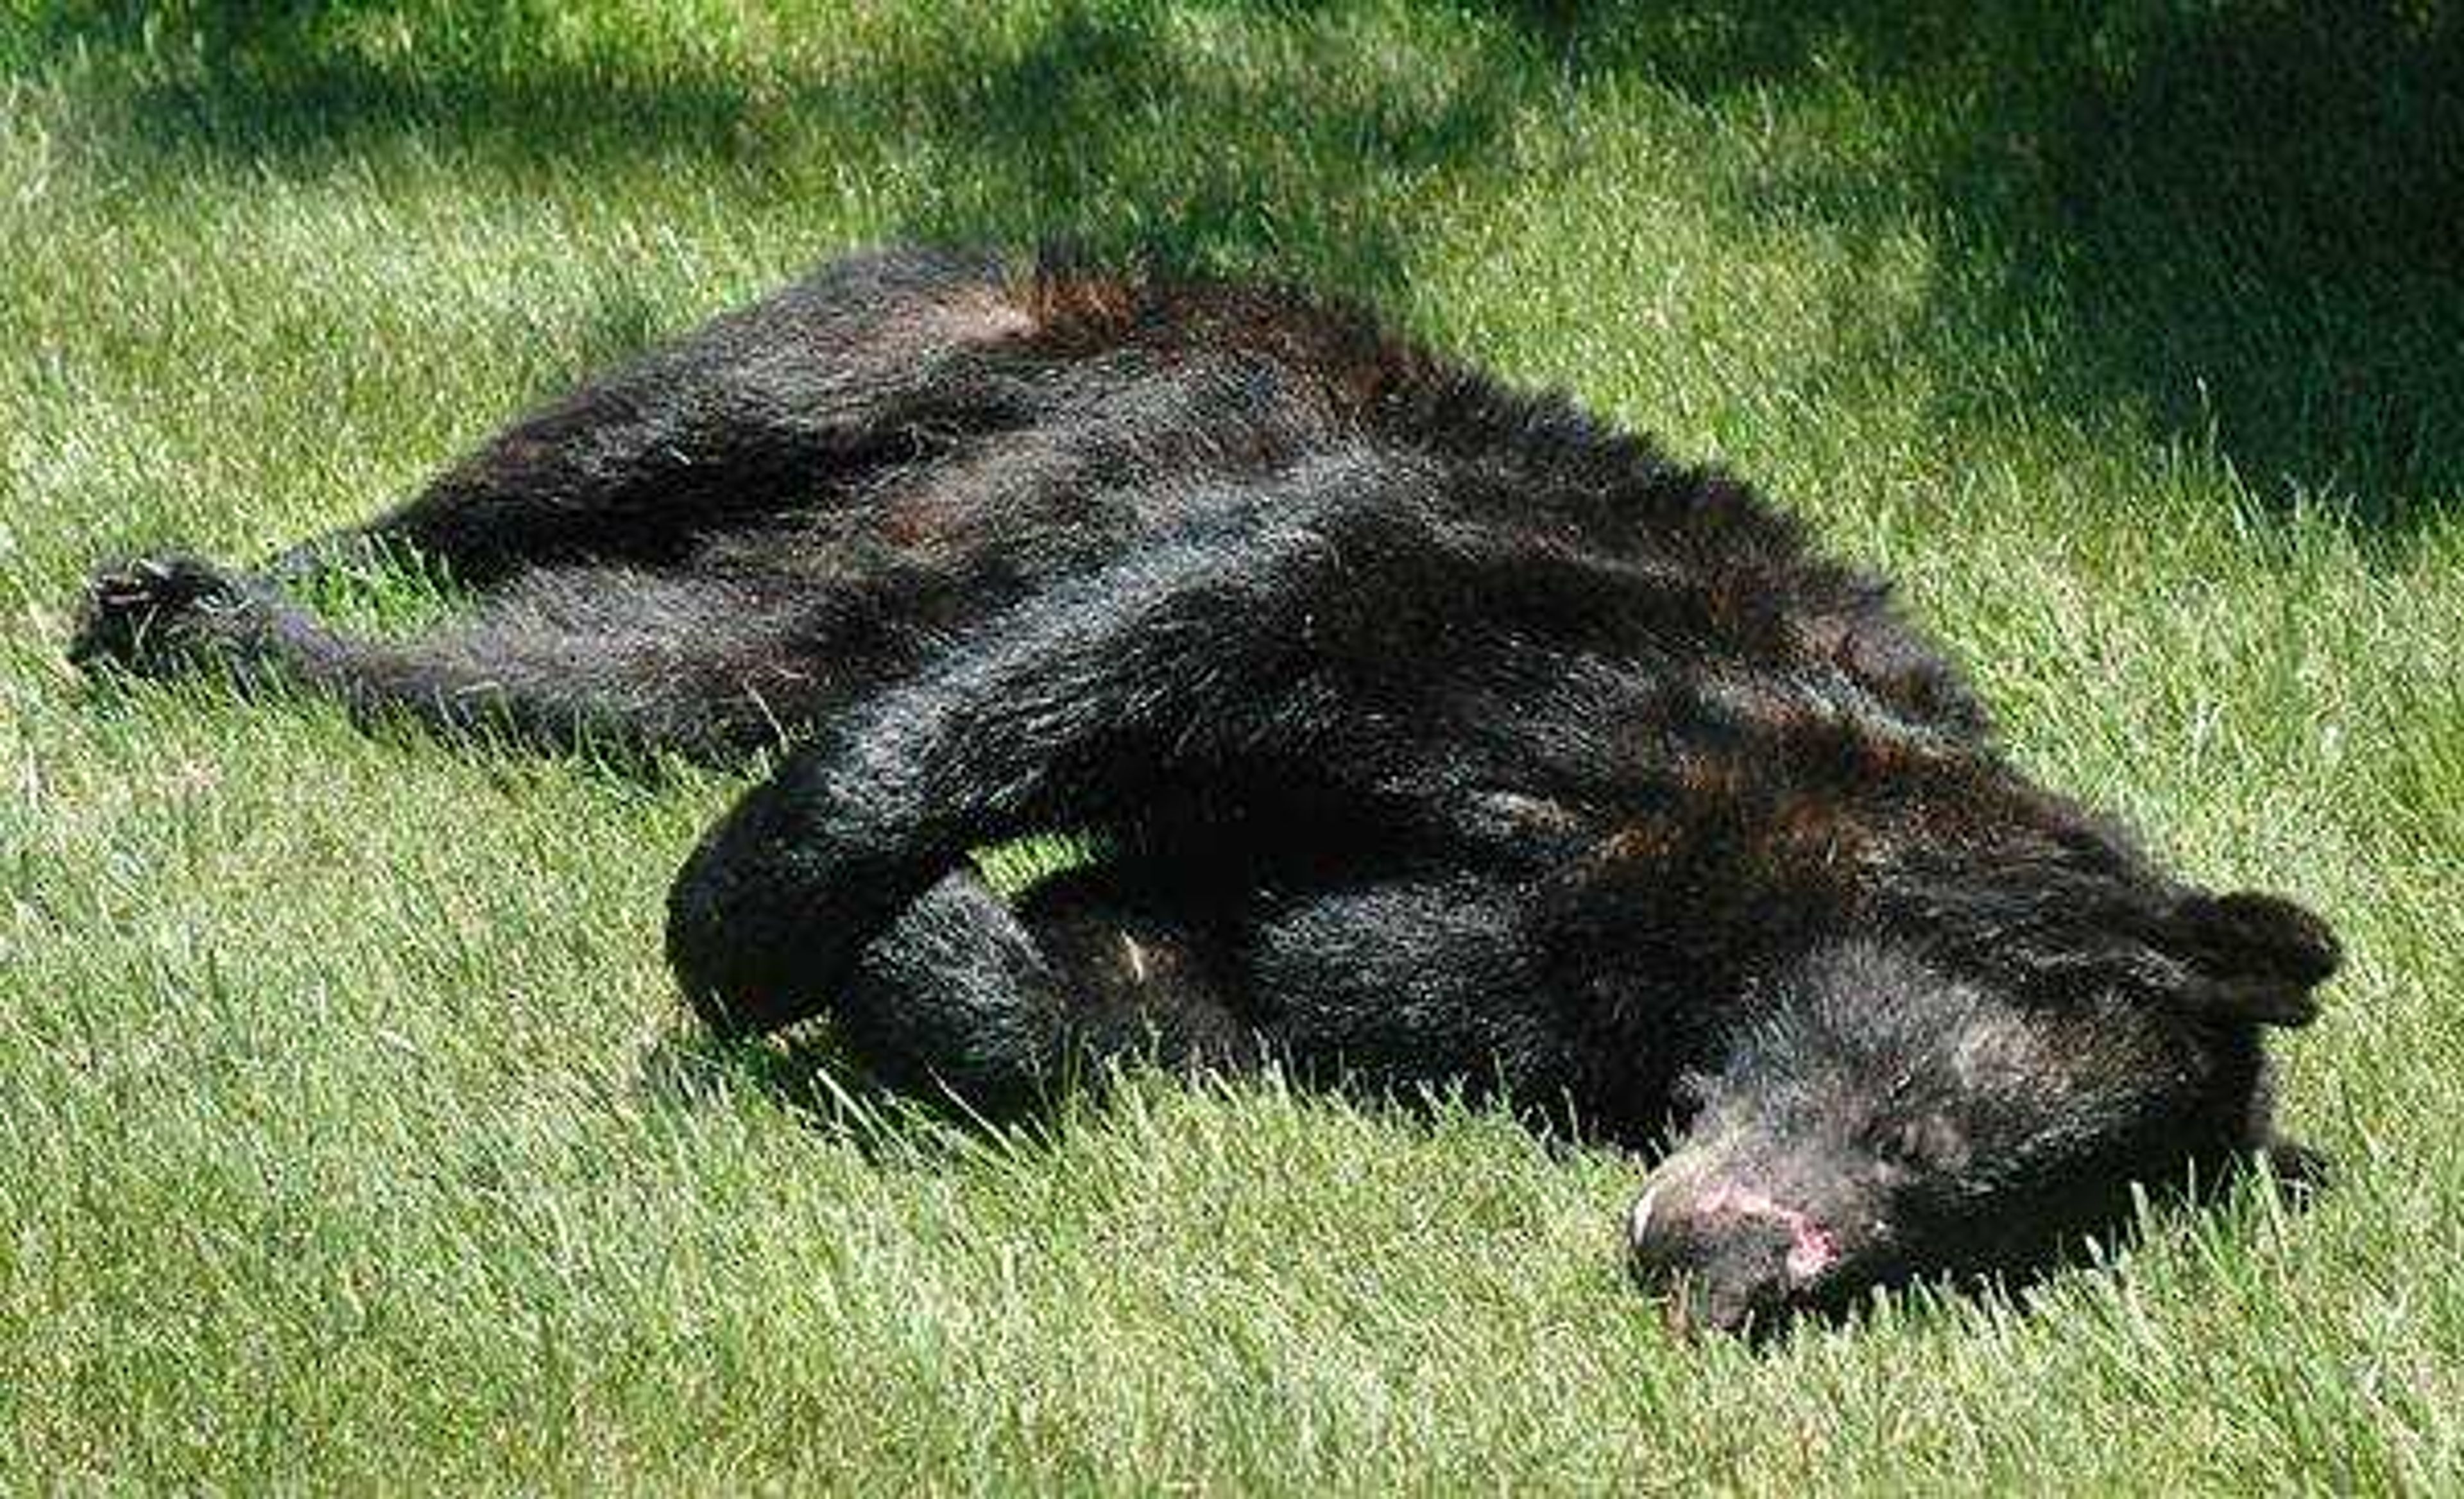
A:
x: 157, y: 616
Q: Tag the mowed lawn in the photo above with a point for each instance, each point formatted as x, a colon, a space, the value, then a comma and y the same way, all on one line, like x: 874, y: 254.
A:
x: 352, y: 1136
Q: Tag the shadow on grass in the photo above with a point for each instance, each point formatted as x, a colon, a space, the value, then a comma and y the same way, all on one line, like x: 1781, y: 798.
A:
x: 2241, y: 226
x: 806, y: 1072
x: 2244, y: 223
x: 830, y: 1093
x: 1087, y: 126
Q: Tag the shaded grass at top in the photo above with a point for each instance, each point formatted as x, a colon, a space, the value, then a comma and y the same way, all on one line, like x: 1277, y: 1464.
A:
x: 2237, y: 224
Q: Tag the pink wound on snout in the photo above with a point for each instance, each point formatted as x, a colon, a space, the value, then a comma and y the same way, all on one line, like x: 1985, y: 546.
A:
x: 1811, y: 1249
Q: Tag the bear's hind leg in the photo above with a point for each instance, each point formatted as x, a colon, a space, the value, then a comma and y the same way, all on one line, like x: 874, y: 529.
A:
x: 788, y: 405
x: 571, y: 658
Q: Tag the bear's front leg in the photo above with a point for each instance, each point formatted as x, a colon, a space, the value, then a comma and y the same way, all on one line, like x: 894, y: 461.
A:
x: 1222, y: 659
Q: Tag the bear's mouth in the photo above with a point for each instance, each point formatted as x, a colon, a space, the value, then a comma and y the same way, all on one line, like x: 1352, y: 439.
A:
x: 1728, y: 1257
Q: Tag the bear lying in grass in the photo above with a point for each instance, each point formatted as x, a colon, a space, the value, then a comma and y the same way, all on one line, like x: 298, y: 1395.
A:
x: 1440, y: 734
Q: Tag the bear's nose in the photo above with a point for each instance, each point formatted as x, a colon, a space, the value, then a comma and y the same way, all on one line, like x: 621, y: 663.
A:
x: 1730, y: 1259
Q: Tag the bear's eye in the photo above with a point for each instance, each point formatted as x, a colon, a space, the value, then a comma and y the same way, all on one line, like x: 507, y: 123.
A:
x: 1690, y: 1093
x: 1929, y: 1142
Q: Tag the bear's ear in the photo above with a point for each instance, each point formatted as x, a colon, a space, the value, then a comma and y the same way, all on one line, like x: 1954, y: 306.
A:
x: 2252, y: 956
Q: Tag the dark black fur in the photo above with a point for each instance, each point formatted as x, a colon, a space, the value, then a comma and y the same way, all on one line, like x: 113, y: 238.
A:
x: 1441, y: 735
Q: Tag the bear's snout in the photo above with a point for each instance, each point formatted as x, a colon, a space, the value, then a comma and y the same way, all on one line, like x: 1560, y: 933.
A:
x: 1728, y: 1257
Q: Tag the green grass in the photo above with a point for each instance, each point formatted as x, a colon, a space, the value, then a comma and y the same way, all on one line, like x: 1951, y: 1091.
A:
x: 351, y: 1135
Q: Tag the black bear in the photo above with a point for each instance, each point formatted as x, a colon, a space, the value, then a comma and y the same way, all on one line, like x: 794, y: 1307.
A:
x: 1437, y: 734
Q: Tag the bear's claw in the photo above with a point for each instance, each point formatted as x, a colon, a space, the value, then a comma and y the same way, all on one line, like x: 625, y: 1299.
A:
x: 154, y: 615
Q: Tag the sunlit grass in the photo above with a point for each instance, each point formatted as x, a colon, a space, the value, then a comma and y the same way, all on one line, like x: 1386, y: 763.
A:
x: 351, y: 1134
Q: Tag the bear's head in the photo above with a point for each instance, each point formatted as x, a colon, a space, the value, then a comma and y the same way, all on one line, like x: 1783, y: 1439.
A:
x: 1888, y: 1112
